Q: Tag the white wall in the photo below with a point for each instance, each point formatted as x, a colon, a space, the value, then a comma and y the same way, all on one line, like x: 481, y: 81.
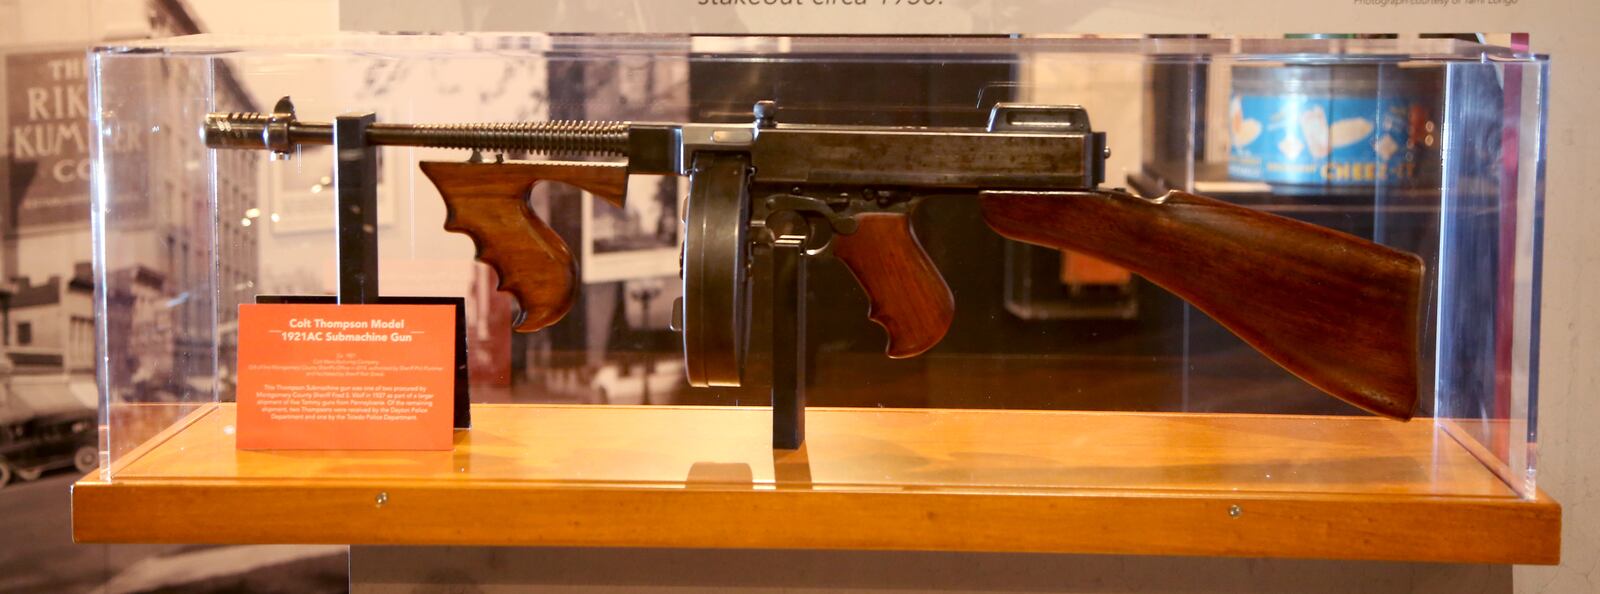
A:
x: 31, y: 22
x: 1569, y: 405
x: 274, y: 17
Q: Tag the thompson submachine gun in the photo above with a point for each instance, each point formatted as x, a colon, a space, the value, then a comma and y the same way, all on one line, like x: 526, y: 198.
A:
x: 1340, y: 312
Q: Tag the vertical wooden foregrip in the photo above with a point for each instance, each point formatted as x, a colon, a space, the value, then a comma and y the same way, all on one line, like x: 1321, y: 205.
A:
x: 489, y: 203
x: 907, y: 295
x: 1340, y: 312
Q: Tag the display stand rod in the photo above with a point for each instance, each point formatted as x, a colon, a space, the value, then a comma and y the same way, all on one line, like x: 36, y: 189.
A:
x: 788, y: 342
x: 355, y: 175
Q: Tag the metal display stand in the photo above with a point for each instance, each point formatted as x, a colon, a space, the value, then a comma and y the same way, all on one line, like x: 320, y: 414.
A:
x: 788, y: 319
x: 355, y: 177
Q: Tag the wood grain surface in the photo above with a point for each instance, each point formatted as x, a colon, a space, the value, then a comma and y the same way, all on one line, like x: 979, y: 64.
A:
x: 1171, y: 484
x: 905, y: 292
x: 1340, y: 312
x: 489, y: 203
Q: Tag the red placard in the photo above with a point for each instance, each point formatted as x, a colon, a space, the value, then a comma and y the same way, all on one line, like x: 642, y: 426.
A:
x: 346, y: 377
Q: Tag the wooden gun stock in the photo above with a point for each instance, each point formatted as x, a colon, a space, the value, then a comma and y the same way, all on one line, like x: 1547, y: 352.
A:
x: 907, y: 295
x: 489, y: 203
x: 1340, y: 312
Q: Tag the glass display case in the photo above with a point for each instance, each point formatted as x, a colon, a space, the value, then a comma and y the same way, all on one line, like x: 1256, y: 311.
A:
x: 1431, y: 147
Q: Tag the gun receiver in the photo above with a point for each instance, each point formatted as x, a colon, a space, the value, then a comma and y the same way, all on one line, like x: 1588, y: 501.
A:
x: 1338, y: 311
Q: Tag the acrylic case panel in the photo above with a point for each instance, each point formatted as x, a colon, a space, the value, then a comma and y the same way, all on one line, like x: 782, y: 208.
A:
x: 1433, y: 147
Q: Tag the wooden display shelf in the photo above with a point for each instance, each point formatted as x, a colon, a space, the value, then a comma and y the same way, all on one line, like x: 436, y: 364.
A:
x: 962, y: 480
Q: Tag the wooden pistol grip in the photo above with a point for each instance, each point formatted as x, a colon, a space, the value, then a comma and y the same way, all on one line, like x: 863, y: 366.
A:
x: 489, y: 203
x: 1340, y: 312
x: 907, y: 295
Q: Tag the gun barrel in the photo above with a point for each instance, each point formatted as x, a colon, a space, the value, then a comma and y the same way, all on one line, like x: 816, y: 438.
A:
x: 281, y: 133
x: 1024, y: 147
